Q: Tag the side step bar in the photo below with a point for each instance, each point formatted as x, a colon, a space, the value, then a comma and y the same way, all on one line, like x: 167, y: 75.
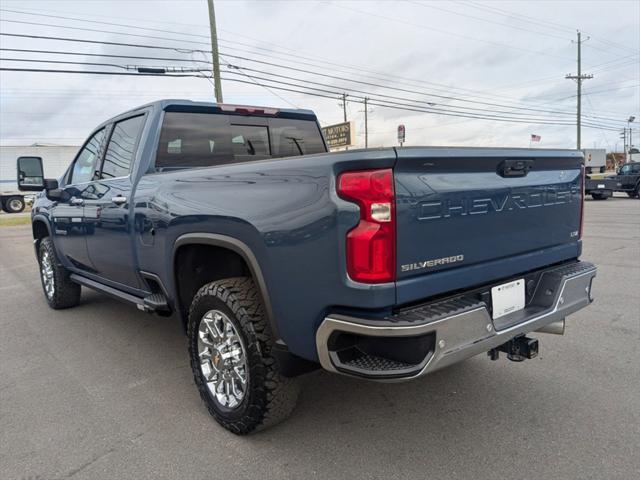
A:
x: 155, y: 302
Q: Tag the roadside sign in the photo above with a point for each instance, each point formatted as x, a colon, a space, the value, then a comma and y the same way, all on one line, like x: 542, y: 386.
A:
x: 339, y: 135
x: 401, y: 134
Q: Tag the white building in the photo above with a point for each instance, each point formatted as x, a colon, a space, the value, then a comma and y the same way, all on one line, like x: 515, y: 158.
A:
x: 55, y: 160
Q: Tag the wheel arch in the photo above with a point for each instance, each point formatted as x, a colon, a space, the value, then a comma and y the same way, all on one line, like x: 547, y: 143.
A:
x: 40, y: 229
x: 234, y: 246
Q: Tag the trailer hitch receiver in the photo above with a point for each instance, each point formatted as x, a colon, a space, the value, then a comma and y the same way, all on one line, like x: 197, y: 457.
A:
x: 517, y: 349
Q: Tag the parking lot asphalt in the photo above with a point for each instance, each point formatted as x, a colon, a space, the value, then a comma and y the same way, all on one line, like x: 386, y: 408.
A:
x: 105, y: 391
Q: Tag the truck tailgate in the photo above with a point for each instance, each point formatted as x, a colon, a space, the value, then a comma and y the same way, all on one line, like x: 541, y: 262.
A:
x: 460, y: 209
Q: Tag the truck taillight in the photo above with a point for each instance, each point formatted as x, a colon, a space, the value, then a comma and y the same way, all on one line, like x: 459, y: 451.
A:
x: 371, y: 245
x: 582, y: 185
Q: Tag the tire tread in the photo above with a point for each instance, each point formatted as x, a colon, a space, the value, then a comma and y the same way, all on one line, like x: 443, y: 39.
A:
x: 272, y: 395
x: 66, y: 293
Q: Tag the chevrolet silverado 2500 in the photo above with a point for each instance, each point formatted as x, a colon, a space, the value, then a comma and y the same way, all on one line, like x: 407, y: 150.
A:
x: 278, y: 257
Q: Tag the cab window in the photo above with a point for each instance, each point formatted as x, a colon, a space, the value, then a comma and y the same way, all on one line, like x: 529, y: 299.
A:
x: 121, y: 149
x: 85, y: 164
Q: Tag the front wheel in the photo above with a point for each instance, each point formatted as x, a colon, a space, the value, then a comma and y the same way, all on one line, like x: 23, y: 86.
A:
x: 59, y: 291
x: 230, y: 345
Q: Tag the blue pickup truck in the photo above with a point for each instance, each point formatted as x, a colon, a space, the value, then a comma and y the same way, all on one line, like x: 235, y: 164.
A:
x: 279, y: 257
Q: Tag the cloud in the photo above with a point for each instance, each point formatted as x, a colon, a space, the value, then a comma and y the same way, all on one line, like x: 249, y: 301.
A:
x: 470, y: 64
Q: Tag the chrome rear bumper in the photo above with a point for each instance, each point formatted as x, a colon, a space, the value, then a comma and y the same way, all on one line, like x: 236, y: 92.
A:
x: 447, y: 331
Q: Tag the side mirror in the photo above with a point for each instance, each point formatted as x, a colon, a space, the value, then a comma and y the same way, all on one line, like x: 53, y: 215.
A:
x: 54, y: 192
x: 30, y: 174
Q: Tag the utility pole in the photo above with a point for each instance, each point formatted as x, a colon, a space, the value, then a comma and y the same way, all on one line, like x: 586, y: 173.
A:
x: 366, y: 124
x: 344, y: 105
x: 579, y: 78
x: 344, y: 111
x: 624, y: 140
x: 629, y: 121
x: 214, y: 52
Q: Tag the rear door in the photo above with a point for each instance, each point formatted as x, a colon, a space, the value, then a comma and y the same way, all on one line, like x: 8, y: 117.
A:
x: 461, y: 208
x: 111, y: 244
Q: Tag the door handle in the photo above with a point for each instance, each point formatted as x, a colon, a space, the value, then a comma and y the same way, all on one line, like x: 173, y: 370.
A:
x: 119, y: 200
x: 515, y: 167
x: 77, y: 201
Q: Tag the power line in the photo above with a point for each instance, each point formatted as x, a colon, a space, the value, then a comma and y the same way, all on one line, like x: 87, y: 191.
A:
x: 435, y: 29
x: 292, y: 68
x: 104, y: 55
x: 432, y: 106
x: 613, y: 89
x: 335, y: 77
x: 95, y: 30
x: 541, y: 23
x: 168, y: 69
x: 202, y: 43
x: 100, y: 42
x: 309, y: 72
x: 428, y: 5
x: 199, y: 36
x: 326, y: 94
x: 433, y: 109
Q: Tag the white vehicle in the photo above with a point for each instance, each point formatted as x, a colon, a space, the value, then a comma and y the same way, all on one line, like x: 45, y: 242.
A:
x: 56, y: 158
x: 595, y: 160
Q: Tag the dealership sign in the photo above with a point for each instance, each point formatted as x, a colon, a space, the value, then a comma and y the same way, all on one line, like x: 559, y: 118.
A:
x: 339, y: 135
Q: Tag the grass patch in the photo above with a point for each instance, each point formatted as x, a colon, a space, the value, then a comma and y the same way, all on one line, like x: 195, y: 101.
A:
x: 11, y: 221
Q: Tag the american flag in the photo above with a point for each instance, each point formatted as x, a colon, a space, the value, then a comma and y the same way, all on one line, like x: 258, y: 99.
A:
x: 535, y: 138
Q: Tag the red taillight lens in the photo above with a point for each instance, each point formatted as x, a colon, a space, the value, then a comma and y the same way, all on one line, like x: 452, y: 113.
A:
x: 582, y: 182
x: 371, y: 245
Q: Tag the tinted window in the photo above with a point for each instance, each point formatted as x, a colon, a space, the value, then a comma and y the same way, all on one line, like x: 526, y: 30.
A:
x: 194, y: 140
x: 205, y: 139
x: 250, y: 140
x: 294, y: 137
x: 121, y: 148
x: 85, y: 164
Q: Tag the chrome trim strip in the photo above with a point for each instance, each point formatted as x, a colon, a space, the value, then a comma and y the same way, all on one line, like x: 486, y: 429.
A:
x: 464, y: 334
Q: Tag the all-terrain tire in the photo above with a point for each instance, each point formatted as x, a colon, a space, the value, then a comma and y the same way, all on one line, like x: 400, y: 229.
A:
x: 598, y: 196
x: 269, y: 397
x: 65, y: 293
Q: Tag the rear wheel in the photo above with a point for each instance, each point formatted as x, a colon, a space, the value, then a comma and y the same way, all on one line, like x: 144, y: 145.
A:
x: 230, y: 349
x: 13, y: 204
x: 59, y: 291
x: 598, y: 196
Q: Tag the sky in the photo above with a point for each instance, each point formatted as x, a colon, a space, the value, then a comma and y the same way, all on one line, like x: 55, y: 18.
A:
x: 429, y: 65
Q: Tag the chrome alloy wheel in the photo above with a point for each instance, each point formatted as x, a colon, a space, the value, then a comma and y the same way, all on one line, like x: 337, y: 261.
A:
x: 48, y: 278
x: 223, y: 359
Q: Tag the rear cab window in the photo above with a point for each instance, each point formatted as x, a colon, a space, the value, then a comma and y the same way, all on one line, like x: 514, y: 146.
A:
x: 191, y: 140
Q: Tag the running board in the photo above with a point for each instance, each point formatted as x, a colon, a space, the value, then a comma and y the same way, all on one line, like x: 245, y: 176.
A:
x: 156, y: 302
x: 112, y: 292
